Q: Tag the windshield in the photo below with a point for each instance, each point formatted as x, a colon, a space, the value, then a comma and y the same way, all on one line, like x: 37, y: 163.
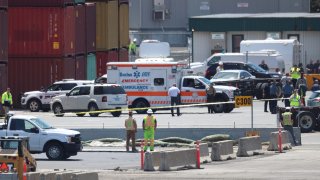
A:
x: 226, y: 75
x: 205, y: 80
x: 314, y: 95
x: 41, y: 123
x: 256, y: 68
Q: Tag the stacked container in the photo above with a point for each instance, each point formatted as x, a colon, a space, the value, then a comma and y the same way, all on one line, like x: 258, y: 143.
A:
x: 47, y: 43
x: 112, y: 32
x: 3, y: 47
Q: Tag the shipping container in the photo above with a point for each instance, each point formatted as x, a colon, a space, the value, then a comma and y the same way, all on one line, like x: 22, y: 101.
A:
x: 101, y: 61
x: 91, y: 66
x: 3, y: 80
x: 123, y: 55
x: 81, y: 67
x: 113, y: 24
x: 80, y: 30
x: 40, y: 3
x: 124, y: 24
x: 3, y: 4
x: 101, y: 26
x: 3, y: 35
x: 42, y: 32
x: 113, y: 56
x: 90, y: 27
x: 28, y: 74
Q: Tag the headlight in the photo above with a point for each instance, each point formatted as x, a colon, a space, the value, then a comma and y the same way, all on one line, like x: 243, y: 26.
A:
x: 229, y: 93
x: 69, y: 139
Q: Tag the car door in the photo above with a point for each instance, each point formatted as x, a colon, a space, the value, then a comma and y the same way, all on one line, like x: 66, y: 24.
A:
x: 57, y: 89
x: 78, y: 98
x: 192, y: 91
x: 23, y: 127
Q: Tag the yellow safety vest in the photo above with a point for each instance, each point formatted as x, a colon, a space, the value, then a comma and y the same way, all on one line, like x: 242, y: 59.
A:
x: 149, y: 122
x: 295, y: 73
x: 294, y: 101
x: 130, y: 124
x: 287, y: 118
x: 6, y: 97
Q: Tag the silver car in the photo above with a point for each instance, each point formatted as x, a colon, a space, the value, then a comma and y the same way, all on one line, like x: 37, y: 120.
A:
x: 314, y: 99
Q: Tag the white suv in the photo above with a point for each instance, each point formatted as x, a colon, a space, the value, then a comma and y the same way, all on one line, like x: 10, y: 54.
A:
x: 91, y: 97
x: 40, y: 100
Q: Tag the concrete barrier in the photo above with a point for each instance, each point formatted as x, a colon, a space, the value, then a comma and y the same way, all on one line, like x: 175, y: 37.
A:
x: 222, y: 150
x: 249, y: 146
x: 85, y: 176
x: 9, y: 176
x: 148, y: 161
x: 48, y: 175
x: 173, y: 159
x: 204, y: 153
x: 274, y: 141
x: 33, y: 175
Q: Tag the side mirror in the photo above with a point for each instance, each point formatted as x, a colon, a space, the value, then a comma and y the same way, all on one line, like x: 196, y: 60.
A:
x: 68, y: 94
x: 242, y: 77
x: 34, y: 130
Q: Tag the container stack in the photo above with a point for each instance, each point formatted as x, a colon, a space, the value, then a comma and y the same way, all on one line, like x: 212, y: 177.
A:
x: 3, y: 46
x: 47, y: 42
x: 112, y: 32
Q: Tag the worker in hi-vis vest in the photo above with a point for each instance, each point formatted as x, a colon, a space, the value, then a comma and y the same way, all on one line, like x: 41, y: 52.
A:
x: 295, y: 74
x: 149, y: 125
x: 6, y: 101
x: 131, y: 128
x: 287, y: 123
x: 295, y: 99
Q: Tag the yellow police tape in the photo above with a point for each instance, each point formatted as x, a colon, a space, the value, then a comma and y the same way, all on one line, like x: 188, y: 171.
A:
x: 166, y: 107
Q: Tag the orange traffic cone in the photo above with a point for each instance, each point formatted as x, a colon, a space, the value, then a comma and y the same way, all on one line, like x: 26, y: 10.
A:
x: 24, y: 171
x: 4, y: 167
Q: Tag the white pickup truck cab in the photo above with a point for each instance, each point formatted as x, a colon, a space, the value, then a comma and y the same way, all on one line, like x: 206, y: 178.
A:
x: 57, y: 143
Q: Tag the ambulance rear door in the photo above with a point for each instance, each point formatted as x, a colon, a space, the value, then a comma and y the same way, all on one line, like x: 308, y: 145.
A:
x: 159, y: 87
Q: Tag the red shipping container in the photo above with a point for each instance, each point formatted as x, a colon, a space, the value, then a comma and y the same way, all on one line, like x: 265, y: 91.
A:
x: 28, y: 74
x: 80, y: 29
x: 81, y: 68
x: 3, y: 35
x: 101, y: 62
x: 113, y: 56
x: 3, y: 80
x: 91, y: 27
x: 123, y: 55
x: 42, y: 32
x: 39, y: 3
x: 3, y: 4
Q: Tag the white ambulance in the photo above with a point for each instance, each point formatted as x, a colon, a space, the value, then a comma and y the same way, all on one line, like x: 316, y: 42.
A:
x: 147, y: 84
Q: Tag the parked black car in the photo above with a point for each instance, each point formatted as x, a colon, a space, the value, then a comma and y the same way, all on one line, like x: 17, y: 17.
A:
x: 255, y: 70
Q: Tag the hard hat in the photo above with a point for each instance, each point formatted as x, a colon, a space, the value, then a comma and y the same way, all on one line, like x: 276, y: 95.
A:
x: 220, y: 63
x: 288, y: 108
x: 134, y: 40
x: 149, y: 111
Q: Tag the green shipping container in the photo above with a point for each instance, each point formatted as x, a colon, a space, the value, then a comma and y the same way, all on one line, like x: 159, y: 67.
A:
x: 91, y: 67
x: 79, y: 1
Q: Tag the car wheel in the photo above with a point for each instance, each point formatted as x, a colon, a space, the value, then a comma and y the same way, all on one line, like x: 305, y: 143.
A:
x: 93, y: 107
x: 258, y: 91
x: 116, y: 113
x: 141, y: 104
x: 65, y: 156
x: 34, y: 105
x: 55, y: 151
x: 80, y: 114
x: 58, y: 110
x: 228, y: 108
x: 306, y: 121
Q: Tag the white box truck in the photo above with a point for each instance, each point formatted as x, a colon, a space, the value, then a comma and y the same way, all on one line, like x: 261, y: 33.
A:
x: 288, y: 48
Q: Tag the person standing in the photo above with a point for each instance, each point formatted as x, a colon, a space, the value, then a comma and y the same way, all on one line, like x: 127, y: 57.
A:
x: 315, y: 86
x: 301, y: 68
x: 220, y: 67
x: 211, y: 92
x: 287, y: 123
x: 316, y: 67
x: 266, y: 95
x: 295, y: 74
x: 264, y: 66
x: 287, y: 90
x: 6, y: 101
x: 284, y: 79
x: 174, y: 93
x: 295, y: 99
x: 310, y: 68
x: 149, y: 125
x: 131, y: 128
x: 302, y: 87
x: 273, y: 96
x: 133, y: 50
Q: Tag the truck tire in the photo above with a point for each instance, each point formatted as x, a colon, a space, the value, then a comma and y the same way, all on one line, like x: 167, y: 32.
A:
x: 58, y: 110
x: 93, y: 107
x: 219, y: 108
x: 34, y: 105
x: 306, y: 121
x: 54, y: 151
x: 141, y: 103
x: 80, y: 114
x: 258, y: 91
x: 228, y: 108
x: 116, y: 113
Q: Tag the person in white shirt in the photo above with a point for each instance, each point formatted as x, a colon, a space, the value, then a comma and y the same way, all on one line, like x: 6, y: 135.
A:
x: 220, y: 67
x: 174, y: 93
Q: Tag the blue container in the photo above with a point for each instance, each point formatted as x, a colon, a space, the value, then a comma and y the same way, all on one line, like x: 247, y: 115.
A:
x: 91, y: 66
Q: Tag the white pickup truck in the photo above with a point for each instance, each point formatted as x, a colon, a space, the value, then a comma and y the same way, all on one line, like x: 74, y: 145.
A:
x: 58, y: 144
